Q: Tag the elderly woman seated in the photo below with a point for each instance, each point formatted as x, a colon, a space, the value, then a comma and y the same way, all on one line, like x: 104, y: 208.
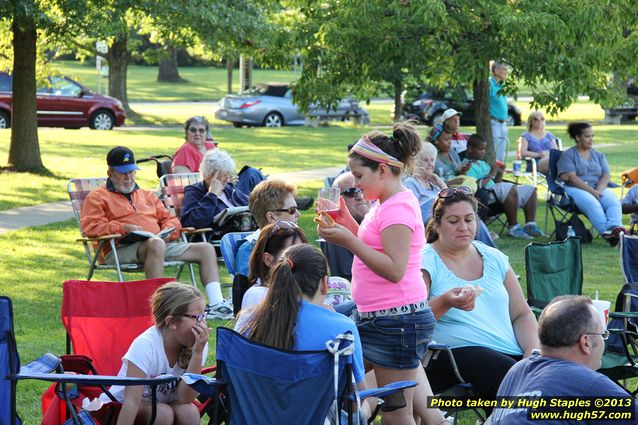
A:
x: 474, y: 294
x: 216, y: 192
x: 198, y: 140
x: 426, y: 186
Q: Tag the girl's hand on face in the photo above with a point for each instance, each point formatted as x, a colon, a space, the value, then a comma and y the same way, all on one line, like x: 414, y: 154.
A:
x: 201, y: 332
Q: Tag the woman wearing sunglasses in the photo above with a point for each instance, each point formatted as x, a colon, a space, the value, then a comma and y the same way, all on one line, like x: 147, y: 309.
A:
x: 177, y: 343
x: 272, y: 241
x: 478, y: 303
x: 190, y: 154
x: 393, y: 317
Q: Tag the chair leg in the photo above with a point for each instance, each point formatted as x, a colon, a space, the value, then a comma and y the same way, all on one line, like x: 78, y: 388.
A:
x: 192, y: 273
x: 117, y: 261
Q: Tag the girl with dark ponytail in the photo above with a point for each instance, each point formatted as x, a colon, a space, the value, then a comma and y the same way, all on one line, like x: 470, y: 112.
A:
x: 292, y: 316
x: 393, y: 317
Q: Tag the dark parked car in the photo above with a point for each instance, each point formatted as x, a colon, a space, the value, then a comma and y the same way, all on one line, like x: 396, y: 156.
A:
x: 66, y: 103
x: 430, y: 104
x: 271, y: 105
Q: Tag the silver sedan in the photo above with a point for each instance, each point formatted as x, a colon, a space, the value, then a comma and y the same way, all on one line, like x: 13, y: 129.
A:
x: 271, y: 105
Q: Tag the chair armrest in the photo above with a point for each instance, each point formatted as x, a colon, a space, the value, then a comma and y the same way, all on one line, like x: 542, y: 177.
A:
x: 383, y: 391
x: 434, y: 350
x: 623, y: 315
x: 209, y: 369
x: 204, y: 385
x: 94, y: 380
x: 193, y: 231
x: 99, y: 238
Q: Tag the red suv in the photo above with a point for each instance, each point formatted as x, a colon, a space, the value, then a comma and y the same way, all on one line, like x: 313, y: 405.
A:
x: 66, y: 103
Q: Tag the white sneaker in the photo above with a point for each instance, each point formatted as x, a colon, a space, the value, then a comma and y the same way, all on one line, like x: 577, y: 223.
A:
x: 221, y: 311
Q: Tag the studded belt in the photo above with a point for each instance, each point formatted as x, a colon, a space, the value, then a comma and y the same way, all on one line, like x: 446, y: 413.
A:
x: 394, y: 311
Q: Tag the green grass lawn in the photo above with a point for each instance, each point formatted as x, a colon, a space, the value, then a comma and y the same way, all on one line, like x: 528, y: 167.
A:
x: 37, y: 260
x: 202, y: 83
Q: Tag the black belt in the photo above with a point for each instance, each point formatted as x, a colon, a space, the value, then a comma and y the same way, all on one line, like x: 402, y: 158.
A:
x: 501, y: 121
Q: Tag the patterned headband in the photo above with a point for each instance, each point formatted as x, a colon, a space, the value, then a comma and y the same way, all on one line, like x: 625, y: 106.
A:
x: 367, y: 149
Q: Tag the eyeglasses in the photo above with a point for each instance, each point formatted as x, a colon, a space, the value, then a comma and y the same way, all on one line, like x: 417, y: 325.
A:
x: 604, y: 335
x: 351, y: 192
x: 291, y: 211
x: 449, y: 191
x: 197, y: 130
x: 198, y: 317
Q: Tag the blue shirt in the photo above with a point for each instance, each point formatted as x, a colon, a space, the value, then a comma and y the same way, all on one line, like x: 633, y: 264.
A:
x: 631, y: 198
x: 590, y: 171
x: 487, y: 325
x: 242, y: 258
x: 315, y: 326
x: 498, y: 102
x: 552, y: 377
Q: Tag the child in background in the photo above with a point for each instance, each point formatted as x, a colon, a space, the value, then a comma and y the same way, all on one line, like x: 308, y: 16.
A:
x: 177, y: 343
x: 509, y: 195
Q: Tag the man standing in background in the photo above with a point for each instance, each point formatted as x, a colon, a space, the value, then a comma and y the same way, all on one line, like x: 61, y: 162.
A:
x: 498, y: 109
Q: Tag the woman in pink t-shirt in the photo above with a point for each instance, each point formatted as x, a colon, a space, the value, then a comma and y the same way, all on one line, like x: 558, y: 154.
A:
x: 190, y: 154
x: 393, y: 317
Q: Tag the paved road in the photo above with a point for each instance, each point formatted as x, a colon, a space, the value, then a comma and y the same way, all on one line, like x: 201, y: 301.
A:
x: 39, y: 215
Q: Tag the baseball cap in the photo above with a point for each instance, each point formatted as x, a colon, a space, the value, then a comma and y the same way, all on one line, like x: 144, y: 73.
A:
x: 121, y: 159
x: 449, y: 113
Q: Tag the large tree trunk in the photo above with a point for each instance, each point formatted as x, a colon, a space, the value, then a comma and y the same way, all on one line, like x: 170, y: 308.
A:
x: 168, y: 72
x: 482, y: 116
x: 398, y: 89
x: 230, y: 62
x: 118, y: 58
x: 24, y: 151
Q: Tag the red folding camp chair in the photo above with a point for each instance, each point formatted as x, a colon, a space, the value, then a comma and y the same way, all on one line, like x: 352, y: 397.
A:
x: 101, y: 319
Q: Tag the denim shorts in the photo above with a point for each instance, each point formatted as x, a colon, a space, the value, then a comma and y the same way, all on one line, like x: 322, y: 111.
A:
x: 396, y: 341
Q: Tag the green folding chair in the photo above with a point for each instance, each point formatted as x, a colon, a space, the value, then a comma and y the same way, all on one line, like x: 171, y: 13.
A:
x: 552, y: 269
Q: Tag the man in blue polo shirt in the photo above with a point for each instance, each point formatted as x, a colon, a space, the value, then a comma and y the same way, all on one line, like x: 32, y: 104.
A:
x: 572, y: 337
x: 498, y: 109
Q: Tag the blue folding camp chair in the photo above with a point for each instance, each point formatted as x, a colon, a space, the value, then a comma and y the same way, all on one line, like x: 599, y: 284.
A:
x: 229, y: 246
x: 620, y: 359
x: 296, y: 387
x: 11, y: 372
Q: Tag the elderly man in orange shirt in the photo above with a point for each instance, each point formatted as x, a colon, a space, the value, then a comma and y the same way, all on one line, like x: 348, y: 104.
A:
x: 122, y: 207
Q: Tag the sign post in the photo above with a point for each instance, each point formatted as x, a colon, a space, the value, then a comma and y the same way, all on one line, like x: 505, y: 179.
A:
x: 102, y: 48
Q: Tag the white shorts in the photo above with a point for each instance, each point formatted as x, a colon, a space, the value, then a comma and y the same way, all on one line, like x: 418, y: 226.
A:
x: 502, y: 189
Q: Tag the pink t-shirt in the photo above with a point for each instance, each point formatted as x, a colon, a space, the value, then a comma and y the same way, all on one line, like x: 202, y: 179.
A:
x: 190, y: 156
x: 372, y: 292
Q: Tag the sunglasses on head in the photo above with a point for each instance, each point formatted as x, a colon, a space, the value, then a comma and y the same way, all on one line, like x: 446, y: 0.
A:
x: 284, y: 225
x: 351, y: 192
x: 449, y: 191
x: 291, y: 211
